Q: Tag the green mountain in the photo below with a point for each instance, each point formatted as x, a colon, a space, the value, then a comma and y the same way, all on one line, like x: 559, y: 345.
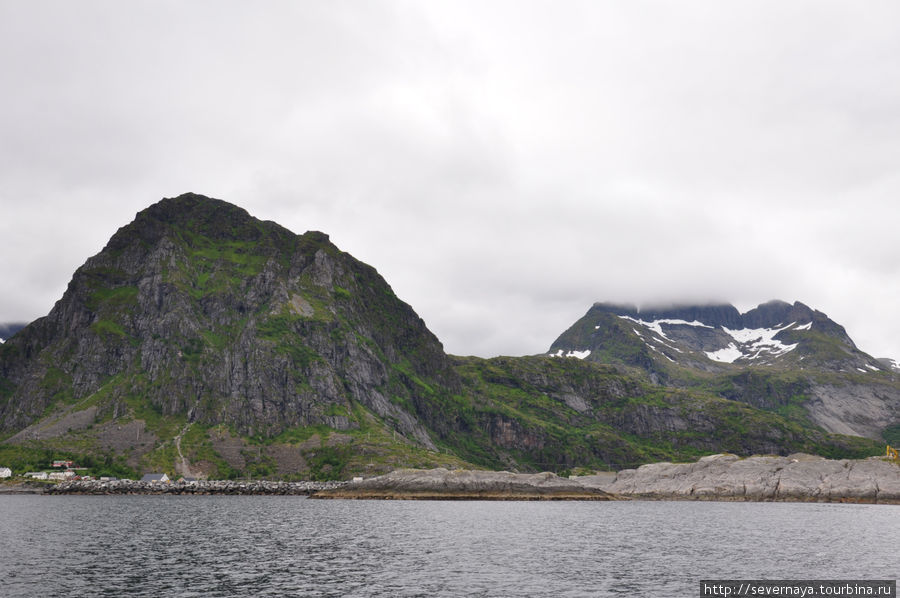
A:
x: 202, y: 341
x: 199, y: 318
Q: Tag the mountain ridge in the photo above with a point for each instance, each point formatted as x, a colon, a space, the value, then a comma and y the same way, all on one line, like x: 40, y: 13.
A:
x: 202, y: 339
x: 718, y: 331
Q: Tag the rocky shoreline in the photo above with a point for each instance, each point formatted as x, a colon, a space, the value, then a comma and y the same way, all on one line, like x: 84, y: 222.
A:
x: 795, y: 478
x: 444, y: 484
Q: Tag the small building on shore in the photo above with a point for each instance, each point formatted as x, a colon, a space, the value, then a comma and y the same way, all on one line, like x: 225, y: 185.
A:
x: 155, y: 478
x: 5, y: 472
x: 37, y: 475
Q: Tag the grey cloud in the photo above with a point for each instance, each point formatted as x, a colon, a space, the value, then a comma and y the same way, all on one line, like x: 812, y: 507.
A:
x: 502, y: 164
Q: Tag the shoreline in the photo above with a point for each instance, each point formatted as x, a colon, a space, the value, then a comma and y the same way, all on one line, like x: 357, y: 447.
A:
x: 760, y: 478
x: 716, y: 478
x: 444, y: 484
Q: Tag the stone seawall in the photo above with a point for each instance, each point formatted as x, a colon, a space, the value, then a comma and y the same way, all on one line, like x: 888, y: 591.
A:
x: 256, y: 487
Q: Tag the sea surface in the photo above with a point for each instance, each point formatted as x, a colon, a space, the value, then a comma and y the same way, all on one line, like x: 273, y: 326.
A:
x: 57, y: 546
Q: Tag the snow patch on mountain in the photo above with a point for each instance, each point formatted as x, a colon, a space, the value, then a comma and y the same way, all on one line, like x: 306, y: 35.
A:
x: 749, y: 343
x: 656, y: 325
x: 752, y: 343
x: 727, y: 355
x: 758, y: 336
x: 661, y: 352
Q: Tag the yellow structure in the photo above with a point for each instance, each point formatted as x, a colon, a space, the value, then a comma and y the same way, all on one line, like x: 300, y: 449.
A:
x: 892, y: 453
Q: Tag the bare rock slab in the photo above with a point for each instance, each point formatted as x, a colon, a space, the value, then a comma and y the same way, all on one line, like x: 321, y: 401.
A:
x: 444, y: 484
x: 798, y: 477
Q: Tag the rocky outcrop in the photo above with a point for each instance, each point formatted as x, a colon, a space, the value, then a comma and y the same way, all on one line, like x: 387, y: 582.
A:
x: 799, y: 477
x: 443, y: 484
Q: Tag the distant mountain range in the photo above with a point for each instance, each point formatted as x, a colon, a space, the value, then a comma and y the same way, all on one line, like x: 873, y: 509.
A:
x: 202, y: 341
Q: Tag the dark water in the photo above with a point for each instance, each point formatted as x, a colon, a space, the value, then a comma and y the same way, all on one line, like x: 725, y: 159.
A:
x: 290, y: 546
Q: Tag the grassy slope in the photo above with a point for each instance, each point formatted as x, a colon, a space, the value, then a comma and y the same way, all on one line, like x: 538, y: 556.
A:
x: 510, y: 413
x: 626, y: 422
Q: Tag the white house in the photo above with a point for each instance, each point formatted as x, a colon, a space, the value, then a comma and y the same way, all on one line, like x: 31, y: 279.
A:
x: 61, y: 475
x: 37, y: 475
x: 5, y: 472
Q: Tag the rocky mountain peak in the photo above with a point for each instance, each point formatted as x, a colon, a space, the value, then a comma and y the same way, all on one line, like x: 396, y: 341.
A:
x: 697, y: 335
x: 777, y: 355
x: 203, y: 311
x: 198, y: 215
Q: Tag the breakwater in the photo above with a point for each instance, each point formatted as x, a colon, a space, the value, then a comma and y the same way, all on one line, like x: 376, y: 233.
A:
x: 226, y: 487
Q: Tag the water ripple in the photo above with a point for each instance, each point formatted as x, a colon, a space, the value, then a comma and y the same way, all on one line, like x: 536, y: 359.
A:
x: 229, y: 546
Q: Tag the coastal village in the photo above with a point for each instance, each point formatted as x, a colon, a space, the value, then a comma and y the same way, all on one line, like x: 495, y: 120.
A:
x: 64, y: 470
x: 65, y: 476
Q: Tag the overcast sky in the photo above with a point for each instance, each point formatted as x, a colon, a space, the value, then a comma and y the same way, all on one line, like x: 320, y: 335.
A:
x: 502, y: 164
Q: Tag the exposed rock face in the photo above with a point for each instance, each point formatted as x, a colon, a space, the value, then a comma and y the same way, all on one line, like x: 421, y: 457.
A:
x: 761, y: 478
x: 196, y: 308
x: 854, y: 408
x: 443, y: 484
